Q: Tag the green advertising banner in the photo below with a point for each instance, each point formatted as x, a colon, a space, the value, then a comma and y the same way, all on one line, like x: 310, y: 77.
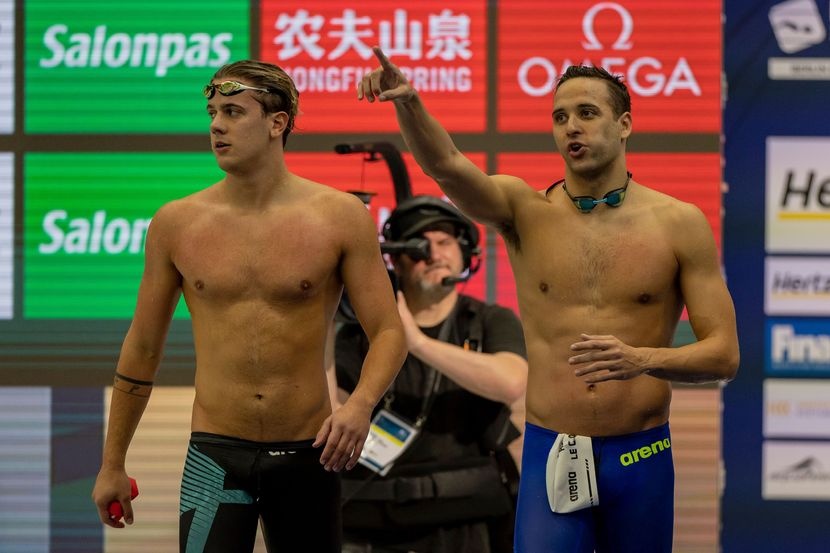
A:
x: 98, y: 66
x: 86, y: 218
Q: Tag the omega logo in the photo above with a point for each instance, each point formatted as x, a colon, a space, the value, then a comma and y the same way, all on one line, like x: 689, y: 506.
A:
x: 622, y: 42
x: 645, y: 75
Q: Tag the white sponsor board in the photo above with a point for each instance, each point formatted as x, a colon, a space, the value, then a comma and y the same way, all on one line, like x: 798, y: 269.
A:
x: 6, y: 235
x: 796, y: 470
x: 797, y: 286
x: 6, y: 66
x: 796, y: 408
x: 798, y: 194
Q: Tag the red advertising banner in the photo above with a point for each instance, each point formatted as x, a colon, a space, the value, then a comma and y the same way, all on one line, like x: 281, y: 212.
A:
x: 690, y: 177
x: 353, y: 173
x: 669, y: 54
x: 326, y: 47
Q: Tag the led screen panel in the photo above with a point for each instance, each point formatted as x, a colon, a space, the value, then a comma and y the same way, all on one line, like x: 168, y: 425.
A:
x: 668, y: 52
x: 85, y: 221
x: 97, y: 66
x: 326, y: 47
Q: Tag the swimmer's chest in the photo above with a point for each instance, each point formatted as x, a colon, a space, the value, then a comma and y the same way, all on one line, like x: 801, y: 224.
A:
x: 274, y: 259
x: 619, y: 260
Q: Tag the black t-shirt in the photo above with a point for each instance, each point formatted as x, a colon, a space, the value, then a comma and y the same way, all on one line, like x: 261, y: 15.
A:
x: 458, y: 418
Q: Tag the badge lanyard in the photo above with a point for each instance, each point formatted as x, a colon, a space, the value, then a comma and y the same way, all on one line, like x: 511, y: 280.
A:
x: 390, y: 435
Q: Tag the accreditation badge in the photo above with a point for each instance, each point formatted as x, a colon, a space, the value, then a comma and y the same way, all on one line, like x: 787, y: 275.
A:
x: 389, y: 436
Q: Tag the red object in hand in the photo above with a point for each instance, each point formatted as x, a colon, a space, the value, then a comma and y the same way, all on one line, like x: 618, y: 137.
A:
x: 115, y: 510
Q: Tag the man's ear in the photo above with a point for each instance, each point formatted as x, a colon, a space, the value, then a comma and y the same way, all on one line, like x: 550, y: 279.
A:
x: 625, y: 125
x: 279, y: 122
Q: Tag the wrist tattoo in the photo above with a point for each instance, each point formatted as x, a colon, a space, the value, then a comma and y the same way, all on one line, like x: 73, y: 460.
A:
x: 132, y: 386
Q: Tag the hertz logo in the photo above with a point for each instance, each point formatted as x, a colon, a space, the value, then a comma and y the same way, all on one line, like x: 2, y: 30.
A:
x: 803, y: 195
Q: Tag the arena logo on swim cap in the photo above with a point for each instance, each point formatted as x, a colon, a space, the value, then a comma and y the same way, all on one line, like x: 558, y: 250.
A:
x: 644, y: 452
x: 114, y: 54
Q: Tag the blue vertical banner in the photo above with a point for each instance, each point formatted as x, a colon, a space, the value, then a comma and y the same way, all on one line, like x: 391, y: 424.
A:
x: 776, y: 417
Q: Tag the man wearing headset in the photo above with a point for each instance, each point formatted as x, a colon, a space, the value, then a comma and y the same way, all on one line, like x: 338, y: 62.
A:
x: 466, y: 364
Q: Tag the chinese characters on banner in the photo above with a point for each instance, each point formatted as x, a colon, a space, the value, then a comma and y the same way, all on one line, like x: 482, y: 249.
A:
x: 328, y: 48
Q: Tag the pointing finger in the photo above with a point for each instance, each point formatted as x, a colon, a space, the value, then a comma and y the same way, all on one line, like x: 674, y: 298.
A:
x: 384, y: 61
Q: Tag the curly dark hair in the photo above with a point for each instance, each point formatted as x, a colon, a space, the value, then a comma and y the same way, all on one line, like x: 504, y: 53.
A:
x: 620, y: 99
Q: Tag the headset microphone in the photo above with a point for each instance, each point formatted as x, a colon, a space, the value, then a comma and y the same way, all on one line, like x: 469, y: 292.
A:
x: 452, y: 280
x: 464, y: 276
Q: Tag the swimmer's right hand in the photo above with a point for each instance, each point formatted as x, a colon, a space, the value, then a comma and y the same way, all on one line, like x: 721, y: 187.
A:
x: 115, y: 510
x: 385, y: 83
x: 113, y: 485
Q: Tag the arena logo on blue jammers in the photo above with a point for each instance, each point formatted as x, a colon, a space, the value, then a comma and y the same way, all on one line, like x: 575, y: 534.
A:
x: 798, y: 347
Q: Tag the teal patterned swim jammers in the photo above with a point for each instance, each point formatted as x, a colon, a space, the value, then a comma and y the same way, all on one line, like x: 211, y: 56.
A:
x: 202, y: 492
x: 230, y: 486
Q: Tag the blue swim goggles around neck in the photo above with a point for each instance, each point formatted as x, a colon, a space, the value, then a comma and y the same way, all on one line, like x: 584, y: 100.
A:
x: 585, y: 204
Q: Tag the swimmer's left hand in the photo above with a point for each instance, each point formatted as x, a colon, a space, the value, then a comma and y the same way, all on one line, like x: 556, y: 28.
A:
x: 605, y: 357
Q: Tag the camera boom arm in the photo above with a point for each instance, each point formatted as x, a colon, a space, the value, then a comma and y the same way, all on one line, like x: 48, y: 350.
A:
x: 393, y: 159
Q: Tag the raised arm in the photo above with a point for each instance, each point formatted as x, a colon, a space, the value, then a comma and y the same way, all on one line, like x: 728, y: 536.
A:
x: 370, y: 292
x: 482, y: 197
x: 137, y: 365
